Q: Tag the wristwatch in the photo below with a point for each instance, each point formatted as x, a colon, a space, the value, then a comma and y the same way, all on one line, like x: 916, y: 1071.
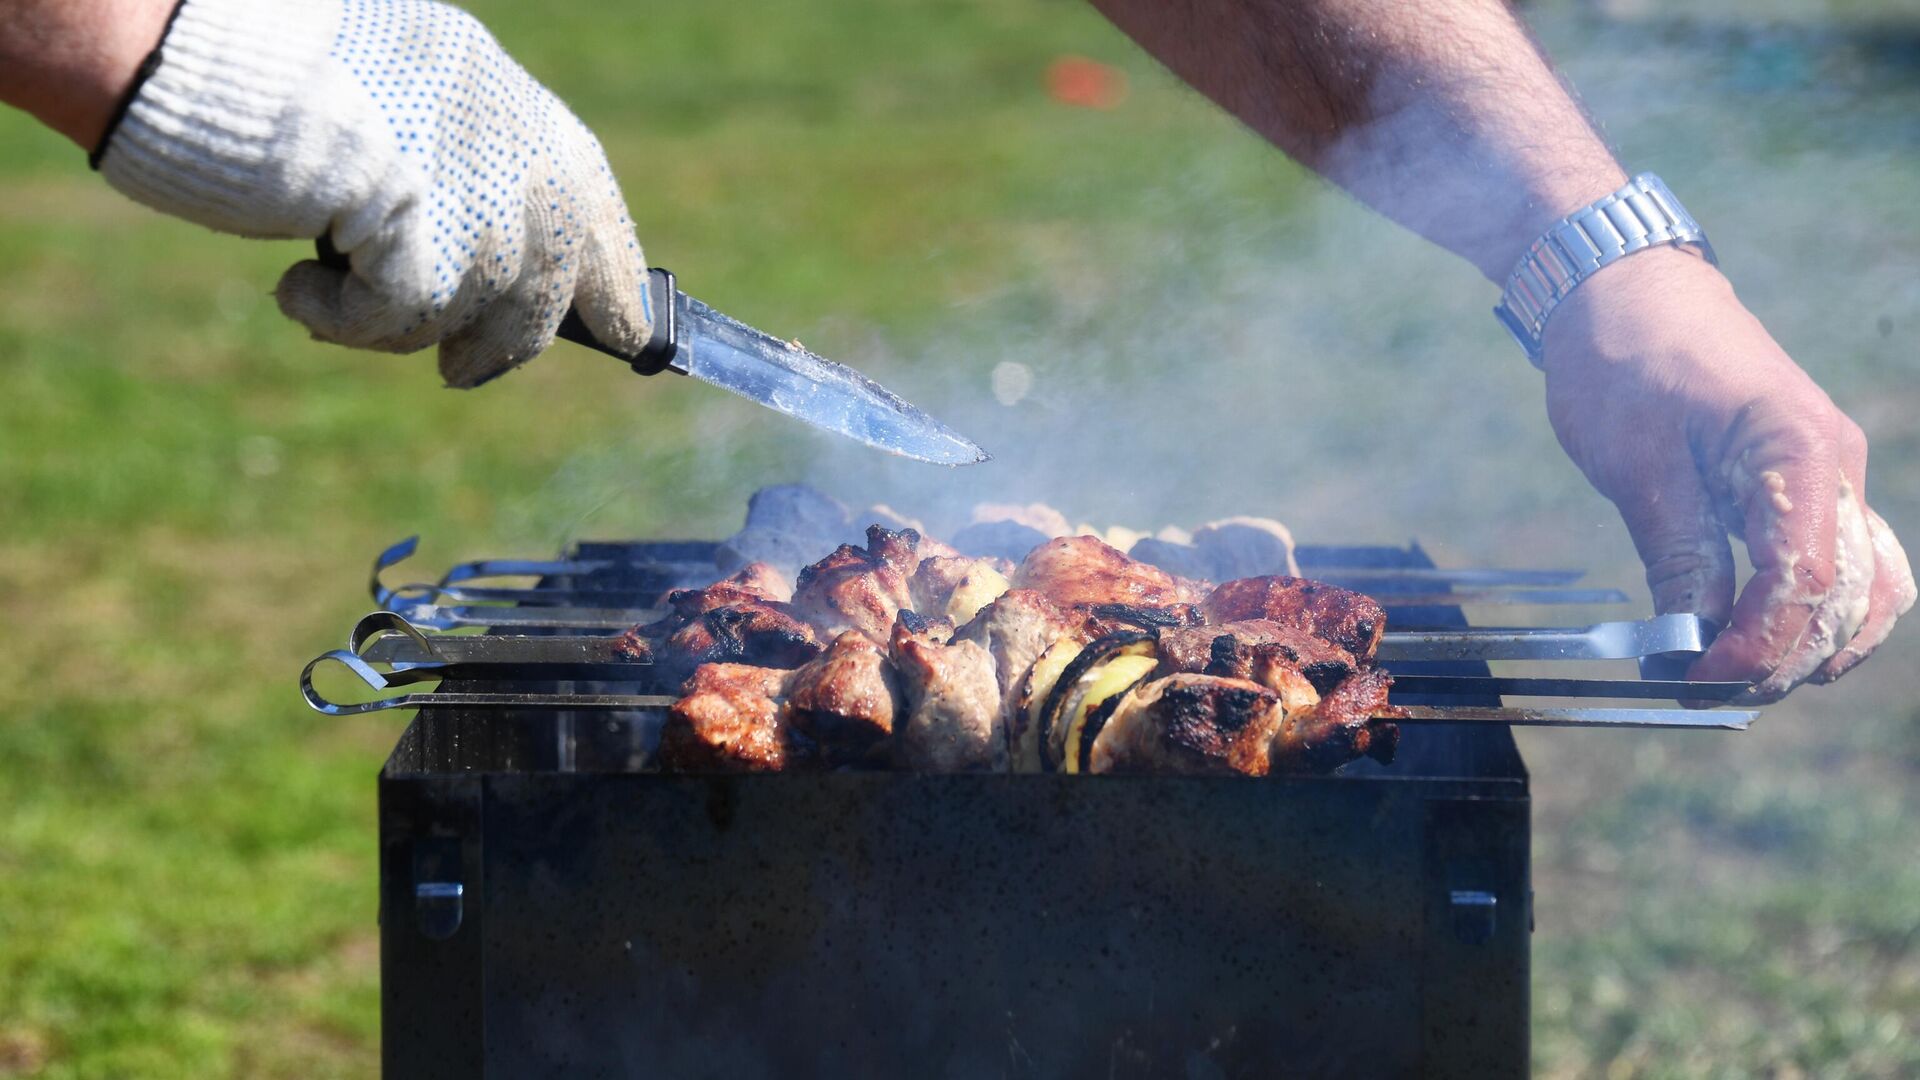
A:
x: 1641, y: 215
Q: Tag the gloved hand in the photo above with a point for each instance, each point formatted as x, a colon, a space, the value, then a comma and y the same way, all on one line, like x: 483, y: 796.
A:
x: 1679, y: 407
x: 473, y: 205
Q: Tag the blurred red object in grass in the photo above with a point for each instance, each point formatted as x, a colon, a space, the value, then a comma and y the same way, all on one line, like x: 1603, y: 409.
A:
x: 1084, y: 83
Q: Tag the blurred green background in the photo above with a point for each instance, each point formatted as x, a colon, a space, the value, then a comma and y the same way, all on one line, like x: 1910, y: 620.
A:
x: 190, y: 492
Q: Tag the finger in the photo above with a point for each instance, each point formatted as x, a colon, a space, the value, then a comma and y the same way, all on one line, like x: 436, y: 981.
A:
x: 510, y: 330
x: 1892, y: 577
x: 1680, y: 538
x: 1782, y: 478
x: 339, y: 306
x: 386, y: 301
x: 612, y: 293
x: 1892, y: 596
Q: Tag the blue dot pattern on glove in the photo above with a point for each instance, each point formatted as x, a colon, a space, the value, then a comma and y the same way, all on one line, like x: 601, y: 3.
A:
x: 480, y: 126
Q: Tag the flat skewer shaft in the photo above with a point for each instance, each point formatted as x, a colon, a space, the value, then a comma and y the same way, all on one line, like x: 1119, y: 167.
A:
x: 1695, y: 719
x: 1511, y: 686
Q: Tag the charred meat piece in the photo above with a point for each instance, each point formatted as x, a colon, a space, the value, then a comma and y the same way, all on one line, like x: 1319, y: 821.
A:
x: 861, y: 588
x: 955, y: 587
x: 764, y: 579
x: 1081, y: 571
x: 757, y: 589
x: 1231, y: 649
x: 953, y: 721
x: 758, y: 632
x: 752, y: 582
x: 1348, y: 619
x: 846, y: 700
x: 1350, y: 721
x: 1188, y: 724
x: 730, y: 719
x: 1103, y: 619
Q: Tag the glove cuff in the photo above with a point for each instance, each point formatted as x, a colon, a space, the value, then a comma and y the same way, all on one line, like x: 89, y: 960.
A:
x: 203, y: 128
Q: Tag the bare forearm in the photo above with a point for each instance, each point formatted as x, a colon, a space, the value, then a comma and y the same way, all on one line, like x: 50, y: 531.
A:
x: 68, y: 61
x: 1440, y: 114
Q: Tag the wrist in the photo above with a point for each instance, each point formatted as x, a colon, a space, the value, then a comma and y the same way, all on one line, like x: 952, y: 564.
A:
x: 204, y: 134
x: 1545, y: 201
x: 1639, y: 217
x: 68, y: 63
x: 1587, y: 331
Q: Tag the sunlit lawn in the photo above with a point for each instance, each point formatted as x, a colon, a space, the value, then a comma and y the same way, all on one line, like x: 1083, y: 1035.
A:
x: 190, y: 492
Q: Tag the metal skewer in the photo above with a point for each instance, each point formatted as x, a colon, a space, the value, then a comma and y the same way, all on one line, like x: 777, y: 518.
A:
x: 412, y: 657
x: 1602, y: 641
x: 1709, y: 719
x: 1439, y: 588
x: 1510, y: 686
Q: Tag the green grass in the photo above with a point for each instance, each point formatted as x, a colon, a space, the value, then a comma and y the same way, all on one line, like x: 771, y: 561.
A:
x: 190, y: 492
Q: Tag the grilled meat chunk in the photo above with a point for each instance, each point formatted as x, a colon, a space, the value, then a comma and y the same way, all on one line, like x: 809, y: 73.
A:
x: 1336, y: 707
x: 953, y: 721
x: 1348, y: 619
x: 1348, y: 722
x: 1188, y: 724
x: 765, y: 579
x: 861, y: 588
x: 1081, y: 571
x: 760, y: 632
x: 846, y: 700
x: 955, y: 587
x: 740, y: 619
x: 1235, y: 649
x: 756, y: 581
x: 1104, y: 619
x: 730, y: 719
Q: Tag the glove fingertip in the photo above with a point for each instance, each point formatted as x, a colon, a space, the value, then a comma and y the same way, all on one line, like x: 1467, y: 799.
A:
x: 309, y: 294
x: 506, y: 336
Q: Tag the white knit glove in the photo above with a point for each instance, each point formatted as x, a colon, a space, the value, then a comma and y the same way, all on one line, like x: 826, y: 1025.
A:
x: 473, y: 205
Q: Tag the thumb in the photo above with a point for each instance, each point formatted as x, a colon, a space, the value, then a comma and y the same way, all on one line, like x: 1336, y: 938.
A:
x: 1678, y: 532
x: 611, y: 296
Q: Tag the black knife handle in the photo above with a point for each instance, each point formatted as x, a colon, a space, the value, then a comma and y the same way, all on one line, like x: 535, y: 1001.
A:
x: 652, y: 359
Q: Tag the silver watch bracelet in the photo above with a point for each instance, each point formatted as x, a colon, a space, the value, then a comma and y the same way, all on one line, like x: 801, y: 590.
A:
x: 1643, y: 214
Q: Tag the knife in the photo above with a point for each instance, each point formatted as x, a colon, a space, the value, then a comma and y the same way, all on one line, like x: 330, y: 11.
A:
x: 690, y: 338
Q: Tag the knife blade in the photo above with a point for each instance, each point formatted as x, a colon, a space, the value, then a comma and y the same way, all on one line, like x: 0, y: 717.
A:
x: 693, y: 339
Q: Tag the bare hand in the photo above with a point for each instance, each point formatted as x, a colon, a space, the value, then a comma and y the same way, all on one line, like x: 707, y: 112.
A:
x: 1681, y: 408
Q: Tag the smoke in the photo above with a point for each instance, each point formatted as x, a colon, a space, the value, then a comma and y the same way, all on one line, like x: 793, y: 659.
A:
x: 1228, y: 354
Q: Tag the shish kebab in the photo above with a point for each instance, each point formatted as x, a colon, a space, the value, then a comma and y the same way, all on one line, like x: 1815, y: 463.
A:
x: 1080, y: 636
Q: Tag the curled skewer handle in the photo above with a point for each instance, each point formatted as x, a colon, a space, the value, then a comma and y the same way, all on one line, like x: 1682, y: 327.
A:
x: 319, y: 703
x: 366, y: 673
x: 395, y: 554
x: 374, y: 625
